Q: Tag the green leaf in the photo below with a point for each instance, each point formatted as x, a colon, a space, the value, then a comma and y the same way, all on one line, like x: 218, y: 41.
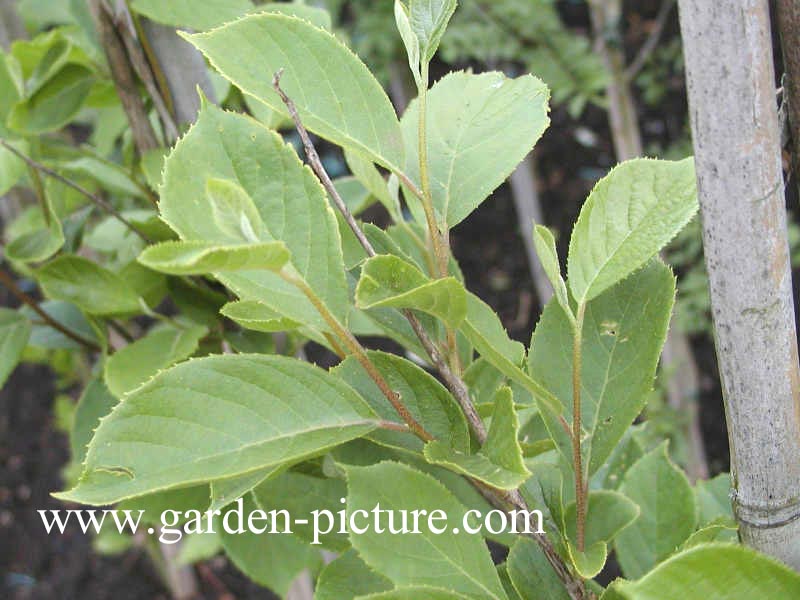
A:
x: 318, y: 17
x: 591, y: 561
x: 301, y: 495
x: 484, y: 329
x: 181, y: 500
x: 365, y: 172
x: 289, y: 200
x: 505, y: 579
x: 12, y: 168
x: 623, y: 457
x: 389, y: 281
x: 718, y: 572
x: 131, y: 366
x: 336, y: 96
x: 257, y: 316
x: 55, y: 103
x: 356, y: 197
x: 531, y: 574
x: 68, y: 315
x: 190, y: 13
x: 225, y: 491
x: 410, y: 40
x: 94, y: 404
x: 623, y: 333
x: 428, y: 20
x: 152, y: 165
x: 12, y: 86
x: 272, y: 560
x: 545, y: 490
x: 457, y: 561
x: 499, y: 462
x: 481, y: 127
x: 178, y: 428
x: 348, y: 577
x: 414, y: 593
x: 486, y: 333
x: 483, y: 380
x: 426, y: 399
x: 110, y: 176
x: 668, y: 516
x: 362, y: 452
x: 149, y: 285
x: 631, y: 214
x: 233, y: 211
x: 15, y: 330
x: 40, y: 243
x: 607, y: 513
x: 725, y: 530
x: 546, y: 250
x: 714, y: 499
x: 89, y: 286
x: 200, y: 258
x: 197, y: 547
x: 200, y: 304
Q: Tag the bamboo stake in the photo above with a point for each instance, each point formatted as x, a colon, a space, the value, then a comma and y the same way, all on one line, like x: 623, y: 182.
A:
x: 729, y: 72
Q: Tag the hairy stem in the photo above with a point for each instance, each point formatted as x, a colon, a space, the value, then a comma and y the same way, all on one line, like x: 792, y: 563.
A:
x: 96, y: 200
x: 144, y: 136
x: 580, y: 490
x: 12, y: 286
x: 437, y: 238
x: 355, y: 348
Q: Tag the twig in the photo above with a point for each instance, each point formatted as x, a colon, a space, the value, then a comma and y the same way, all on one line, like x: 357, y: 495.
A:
x: 392, y: 426
x: 453, y: 382
x: 99, y: 202
x: 651, y: 42
x: 355, y: 348
x: 316, y: 164
x: 12, y: 286
x: 144, y: 135
x: 129, y: 35
x: 123, y: 333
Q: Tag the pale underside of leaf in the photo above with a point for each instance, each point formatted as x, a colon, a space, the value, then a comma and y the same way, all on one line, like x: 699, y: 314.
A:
x: 215, y: 418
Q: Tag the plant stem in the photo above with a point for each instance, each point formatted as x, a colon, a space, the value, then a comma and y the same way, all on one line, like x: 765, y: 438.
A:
x: 12, y: 286
x: 355, y: 348
x: 437, y: 237
x: 144, y: 136
x: 580, y: 490
x: 127, y: 31
x: 453, y: 382
x: 96, y: 200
